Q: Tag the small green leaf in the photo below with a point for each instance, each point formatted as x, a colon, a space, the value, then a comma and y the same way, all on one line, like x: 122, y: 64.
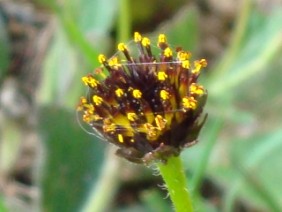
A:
x: 4, y: 49
x: 73, y: 160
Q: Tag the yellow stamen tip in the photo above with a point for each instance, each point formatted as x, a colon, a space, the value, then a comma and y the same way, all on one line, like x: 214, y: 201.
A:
x: 198, y: 64
x: 131, y: 116
x: 162, y: 75
x: 90, y: 81
x: 113, y: 62
x: 196, y: 89
x: 83, y: 100
x: 119, y: 92
x: 162, y: 38
x: 185, y: 64
x: 167, y: 52
x: 183, y: 55
x: 109, y: 126
x: 146, y: 42
x: 120, y: 138
x: 164, y: 94
x: 97, y: 100
x: 136, y: 93
x: 137, y: 37
x: 160, y: 122
x: 189, y: 103
x: 121, y: 47
x: 101, y: 58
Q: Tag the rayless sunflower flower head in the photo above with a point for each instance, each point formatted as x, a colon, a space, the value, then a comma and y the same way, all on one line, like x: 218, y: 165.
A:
x: 150, y: 105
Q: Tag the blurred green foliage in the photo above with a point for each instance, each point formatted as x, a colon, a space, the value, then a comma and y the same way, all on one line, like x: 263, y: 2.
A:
x: 4, y: 49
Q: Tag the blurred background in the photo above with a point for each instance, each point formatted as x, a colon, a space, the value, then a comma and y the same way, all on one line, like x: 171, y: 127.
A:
x: 48, y: 163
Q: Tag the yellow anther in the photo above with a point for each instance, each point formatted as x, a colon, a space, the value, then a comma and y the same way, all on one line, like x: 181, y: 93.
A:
x: 121, y: 47
x: 160, y: 122
x: 136, y: 93
x: 85, y: 80
x: 120, y: 138
x: 189, y: 103
x: 90, y: 81
x: 131, y: 116
x: 89, y: 108
x: 167, y: 52
x: 164, y: 94
x: 86, y: 118
x: 119, y: 92
x: 137, y: 37
x: 113, y: 62
x: 185, y: 64
x: 162, y: 75
x: 83, y: 100
x: 196, y: 89
x: 101, y: 58
x: 146, y: 42
x: 182, y: 55
x: 198, y: 64
x: 109, y: 126
x: 97, y: 100
x: 132, y: 140
x: 90, y: 117
x: 150, y: 131
x: 162, y: 38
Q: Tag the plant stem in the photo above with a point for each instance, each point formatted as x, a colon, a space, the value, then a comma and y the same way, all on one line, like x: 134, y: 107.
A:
x: 176, y: 183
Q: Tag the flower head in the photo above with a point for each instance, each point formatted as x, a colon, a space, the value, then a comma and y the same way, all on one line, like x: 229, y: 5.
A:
x: 149, y: 105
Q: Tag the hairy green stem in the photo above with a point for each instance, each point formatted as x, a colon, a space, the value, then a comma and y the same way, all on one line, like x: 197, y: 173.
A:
x: 175, y: 181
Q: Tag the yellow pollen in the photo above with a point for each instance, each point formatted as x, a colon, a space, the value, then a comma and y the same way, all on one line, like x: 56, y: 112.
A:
x: 196, y: 89
x: 146, y: 42
x: 109, y: 126
x: 162, y: 38
x: 182, y: 55
x: 198, y: 64
x: 96, y: 117
x: 137, y: 93
x: 131, y: 116
x: 185, y: 64
x: 101, y: 58
x: 132, y: 140
x: 90, y: 117
x: 121, y: 47
x: 113, y: 62
x: 160, y: 122
x: 120, y: 138
x: 97, y: 100
x: 90, y: 108
x: 162, y: 75
x: 167, y: 52
x: 164, y: 94
x: 89, y: 80
x: 83, y: 100
x: 150, y: 131
x: 119, y: 92
x: 189, y: 103
x: 137, y: 37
